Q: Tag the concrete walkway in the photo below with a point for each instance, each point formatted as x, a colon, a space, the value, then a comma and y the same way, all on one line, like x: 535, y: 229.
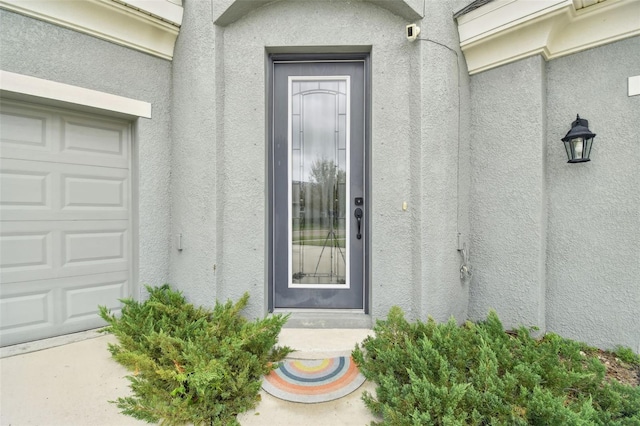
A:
x: 71, y: 384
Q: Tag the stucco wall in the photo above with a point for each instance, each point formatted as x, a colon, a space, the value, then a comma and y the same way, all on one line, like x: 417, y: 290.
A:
x: 197, y: 104
x: 508, y: 217
x: 593, y: 261
x: 317, y: 24
x: 555, y: 244
x: 443, y: 175
x: 35, y: 48
x: 552, y: 244
x: 417, y: 117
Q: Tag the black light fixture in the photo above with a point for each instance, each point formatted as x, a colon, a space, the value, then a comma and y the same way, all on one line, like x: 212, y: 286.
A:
x: 578, y: 141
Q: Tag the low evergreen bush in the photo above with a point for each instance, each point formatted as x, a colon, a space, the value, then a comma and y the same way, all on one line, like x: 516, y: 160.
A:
x: 478, y: 374
x: 191, y: 365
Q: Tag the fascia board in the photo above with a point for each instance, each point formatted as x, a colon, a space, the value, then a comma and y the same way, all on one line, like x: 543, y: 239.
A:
x: 26, y: 87
x: 594, y: 26
x: 163, y: 9
x: 585, y: 3
x: 104, y: 19
x: 510, y: 46
x: 552, y: 31
x: 502, y: 15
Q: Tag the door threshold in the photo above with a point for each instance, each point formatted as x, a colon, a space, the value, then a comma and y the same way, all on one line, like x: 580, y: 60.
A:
x: 326, y: 318
x: 315, y: 310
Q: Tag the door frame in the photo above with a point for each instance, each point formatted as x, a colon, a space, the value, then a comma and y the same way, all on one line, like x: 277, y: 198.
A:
x: 269, y: 108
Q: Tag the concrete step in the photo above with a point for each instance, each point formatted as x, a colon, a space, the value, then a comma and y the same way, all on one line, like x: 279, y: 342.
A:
x: 321, y: 343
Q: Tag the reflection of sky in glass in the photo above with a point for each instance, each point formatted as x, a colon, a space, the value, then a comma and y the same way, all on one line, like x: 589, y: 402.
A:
x: 318, y: 129
x: 318, y: 125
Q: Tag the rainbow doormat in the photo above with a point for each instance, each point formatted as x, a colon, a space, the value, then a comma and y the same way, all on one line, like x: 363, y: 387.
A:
x: 313, y: 380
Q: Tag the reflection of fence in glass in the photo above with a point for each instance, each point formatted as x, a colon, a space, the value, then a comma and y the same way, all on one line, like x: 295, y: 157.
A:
x: 319, y: 227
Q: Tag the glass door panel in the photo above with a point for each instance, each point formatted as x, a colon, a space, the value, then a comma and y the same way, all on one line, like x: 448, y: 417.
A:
x: 318, y: 181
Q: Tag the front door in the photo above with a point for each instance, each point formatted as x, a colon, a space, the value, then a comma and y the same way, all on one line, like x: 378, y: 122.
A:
x: 319, y: 214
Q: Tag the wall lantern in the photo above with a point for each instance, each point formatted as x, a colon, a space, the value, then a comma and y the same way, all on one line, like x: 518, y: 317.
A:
x: 578, y: 141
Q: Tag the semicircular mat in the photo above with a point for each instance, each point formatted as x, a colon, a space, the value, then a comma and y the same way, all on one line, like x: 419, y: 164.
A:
x: 313, y: 380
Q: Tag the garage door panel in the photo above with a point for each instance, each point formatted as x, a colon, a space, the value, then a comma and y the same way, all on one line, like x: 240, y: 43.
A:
x: 70, y: 138
x: 37, y: 190
x: 90, y: 193
x: 81, y: 303
x: 24, y: 250
x: 83, y: 192
x: 87, y: 249
x: 102, y: 139
x: 94, y: 246
x: 46, y: 308
x: 25, y: 129
x: 29, y: 310
x: 91, y: 141
x: 30, y: 251
x: 25, y: 190
x: 42, y: 250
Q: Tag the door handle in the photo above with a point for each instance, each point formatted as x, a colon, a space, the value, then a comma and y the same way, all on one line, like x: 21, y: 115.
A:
x: 358, y: 214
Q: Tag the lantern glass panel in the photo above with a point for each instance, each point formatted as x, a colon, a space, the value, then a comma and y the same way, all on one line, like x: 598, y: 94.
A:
x: 587, y: 147
x: 578, y: 148
x: 567, y: 147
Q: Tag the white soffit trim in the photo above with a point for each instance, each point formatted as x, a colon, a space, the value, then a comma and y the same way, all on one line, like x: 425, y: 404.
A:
x: 24, y: 86
x: 634, y: 85
x: 226, y: 12
x: 150, y: 26
x: 505, y: 31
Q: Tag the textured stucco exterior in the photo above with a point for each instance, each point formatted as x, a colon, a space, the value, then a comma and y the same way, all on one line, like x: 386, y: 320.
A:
x: 196, y: 155
x: 593, y: 257
x: 444, y: 166
x: 39, y: 49
x: 555, y: 244
x: 221, y: 210
x: 508, y: 192
x: 477, y: 160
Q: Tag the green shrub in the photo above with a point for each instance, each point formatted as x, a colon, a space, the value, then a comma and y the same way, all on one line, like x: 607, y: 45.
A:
x: 626, y: 354
x: 478, y: 374
x: 191, y: 365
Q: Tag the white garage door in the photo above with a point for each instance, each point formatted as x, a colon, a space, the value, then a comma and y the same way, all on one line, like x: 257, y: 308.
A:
x: 65, y: 220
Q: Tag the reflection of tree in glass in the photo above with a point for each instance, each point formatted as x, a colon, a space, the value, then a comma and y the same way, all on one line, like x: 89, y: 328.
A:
x: 325, y: 195
x: 325, y: 171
